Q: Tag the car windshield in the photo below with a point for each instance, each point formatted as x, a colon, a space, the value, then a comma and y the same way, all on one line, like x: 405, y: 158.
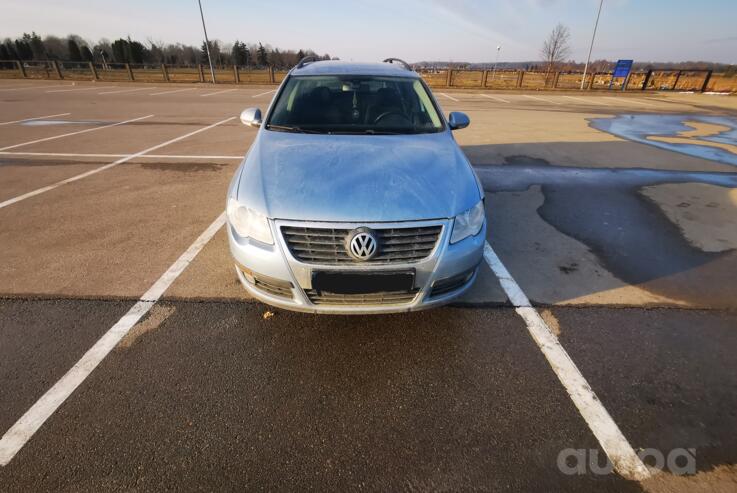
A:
x: 354, y: 105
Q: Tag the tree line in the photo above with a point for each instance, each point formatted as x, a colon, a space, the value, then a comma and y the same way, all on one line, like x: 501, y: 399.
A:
x: 74, y: 48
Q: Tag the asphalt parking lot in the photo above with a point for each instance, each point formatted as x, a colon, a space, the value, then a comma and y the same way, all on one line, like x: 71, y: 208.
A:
x: 111, y: 203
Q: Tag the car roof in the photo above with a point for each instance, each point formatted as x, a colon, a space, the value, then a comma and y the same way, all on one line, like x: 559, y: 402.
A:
x: 339, y: 67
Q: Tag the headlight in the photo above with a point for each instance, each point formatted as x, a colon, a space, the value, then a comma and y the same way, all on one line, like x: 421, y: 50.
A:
x: 469, y: 223
x: 249, y: 223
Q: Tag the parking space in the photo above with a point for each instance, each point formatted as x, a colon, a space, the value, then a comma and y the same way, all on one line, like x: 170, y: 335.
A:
x: 301, y: 401
x: 624, y: 248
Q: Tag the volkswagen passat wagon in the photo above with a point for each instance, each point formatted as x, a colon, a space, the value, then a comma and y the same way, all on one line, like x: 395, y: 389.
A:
x: 355, y: 197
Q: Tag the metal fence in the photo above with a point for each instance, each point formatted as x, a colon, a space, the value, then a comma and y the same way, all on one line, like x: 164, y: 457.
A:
x: 661, y: 80
x: 147, y: 72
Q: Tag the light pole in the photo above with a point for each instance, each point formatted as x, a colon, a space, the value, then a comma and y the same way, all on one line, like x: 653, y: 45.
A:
x: 591, y: 47
x: 207, y: 42
x: 493, y: 70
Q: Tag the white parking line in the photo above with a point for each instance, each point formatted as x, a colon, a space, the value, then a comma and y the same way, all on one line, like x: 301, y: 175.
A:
x: 146, y: 156
x: 108, y: 166
x: 612, y: 441
x: 33, y: 87
x: 23, y: 429
x: 540, y: 99
x: 35, y: 118
x: 172, y: 92
x: 74, y: 133
x: 494, y: 97
x: 217, y: 92
x: 126, y: 90
x: 626, y: 100
x: 77, y: 89
x: 588, y: 100
x: 449, y: 97
x: 263, y: 93
x: 16, y: 88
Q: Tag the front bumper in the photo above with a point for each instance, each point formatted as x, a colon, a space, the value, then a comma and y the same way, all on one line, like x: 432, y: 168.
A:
x: 271, y: 274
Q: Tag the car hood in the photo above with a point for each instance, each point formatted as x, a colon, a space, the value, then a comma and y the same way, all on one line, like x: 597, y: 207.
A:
x: 357, y: 178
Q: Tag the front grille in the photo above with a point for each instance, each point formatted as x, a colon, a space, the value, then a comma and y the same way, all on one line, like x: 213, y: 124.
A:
x: 327, y: 245
x: 385, y: 298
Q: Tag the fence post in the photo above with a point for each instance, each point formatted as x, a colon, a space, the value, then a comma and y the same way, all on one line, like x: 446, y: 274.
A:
x: 626, y: 81
x: 164, y: 72
x: 675, y: 84
x: 236, y: 74
x: 555, y: 80
x: 520, y: 76
x: 272, y: 79
x: 93, y: 70
x: 484, y: 77
x: 21, y: 68
x: 647, y: 79
x: 57, y: 69
x: 202, y: 73
x: 706, y: 81
x: 130, y: 71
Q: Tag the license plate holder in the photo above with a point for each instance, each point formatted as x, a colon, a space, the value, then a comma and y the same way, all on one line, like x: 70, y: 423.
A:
x: 352, y: 282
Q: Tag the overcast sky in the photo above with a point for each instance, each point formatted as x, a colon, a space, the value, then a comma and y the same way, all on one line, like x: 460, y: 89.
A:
x: 458, y: 30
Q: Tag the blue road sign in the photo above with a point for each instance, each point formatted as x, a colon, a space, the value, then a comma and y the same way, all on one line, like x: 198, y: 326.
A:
x: 623, y: 68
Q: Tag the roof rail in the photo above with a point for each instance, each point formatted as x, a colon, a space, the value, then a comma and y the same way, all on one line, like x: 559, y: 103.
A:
x: 400, y: 61
x: 306, y: 60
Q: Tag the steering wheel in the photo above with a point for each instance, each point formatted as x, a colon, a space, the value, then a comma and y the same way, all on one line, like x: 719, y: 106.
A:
x: 391, y: 113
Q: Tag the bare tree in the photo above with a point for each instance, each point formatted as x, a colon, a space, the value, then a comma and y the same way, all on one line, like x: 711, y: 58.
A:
x: 556, y: 48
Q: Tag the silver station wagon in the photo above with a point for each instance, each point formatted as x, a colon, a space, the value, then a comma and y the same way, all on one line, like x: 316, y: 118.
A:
x: 355, y: 197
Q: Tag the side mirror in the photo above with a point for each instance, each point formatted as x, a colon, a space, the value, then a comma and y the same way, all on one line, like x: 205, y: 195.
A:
x: 457, y: 120
x: 251, y: 117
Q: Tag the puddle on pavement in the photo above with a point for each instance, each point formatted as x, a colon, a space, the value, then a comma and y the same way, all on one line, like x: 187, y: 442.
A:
x: 520, y: 178
x: 706, y: 137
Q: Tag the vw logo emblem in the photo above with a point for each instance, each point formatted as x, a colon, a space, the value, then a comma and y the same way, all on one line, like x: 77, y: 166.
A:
x: 362, y: 244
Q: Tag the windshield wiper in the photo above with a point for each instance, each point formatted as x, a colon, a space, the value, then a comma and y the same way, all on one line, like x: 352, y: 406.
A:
x: 371, y: 131
x: 287, y: 128
x: 368, y: 131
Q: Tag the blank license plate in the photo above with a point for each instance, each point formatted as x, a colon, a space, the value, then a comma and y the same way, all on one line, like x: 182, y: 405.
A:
x: 341, y: 282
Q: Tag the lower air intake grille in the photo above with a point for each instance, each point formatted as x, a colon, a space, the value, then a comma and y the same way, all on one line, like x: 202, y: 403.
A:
x: 385, y: 298
x: 274, y: 287
x: 450, y: 284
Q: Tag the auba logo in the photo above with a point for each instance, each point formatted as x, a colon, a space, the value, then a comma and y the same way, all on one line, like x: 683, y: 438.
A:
x: 362, y: 244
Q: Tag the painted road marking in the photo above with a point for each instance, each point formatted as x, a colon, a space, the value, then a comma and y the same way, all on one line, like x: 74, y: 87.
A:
x: 263, y: 93
x: 588, y: 100
x: 612, y: 441
x: 172, y: 92
x: 217, y: 92
x: 540, y: 99
x: 23, y: 429
x: 125, y: 90
x: 626, y: 100
x: 15, y: 88
x: 147, y: 156
x: 77, y: 89
x: 34, y: 87
x: 74, y: 133
x: 449, y: 97
x: 494, y: 97
x: 35, y: 118
x: 108, y: 166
